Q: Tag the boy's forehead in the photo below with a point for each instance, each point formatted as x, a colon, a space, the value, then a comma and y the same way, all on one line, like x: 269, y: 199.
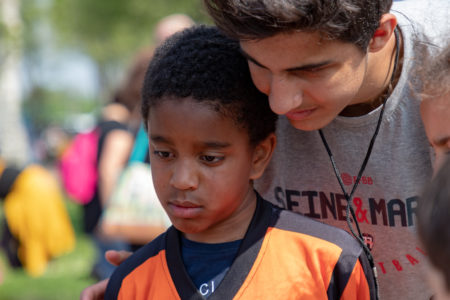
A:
x: 192, y: 122
x: 189, y: 105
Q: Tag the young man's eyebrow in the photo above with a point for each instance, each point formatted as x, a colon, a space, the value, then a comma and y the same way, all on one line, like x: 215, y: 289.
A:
x: 298, y: 68
x: 248, y: 57
x: 309, y: 66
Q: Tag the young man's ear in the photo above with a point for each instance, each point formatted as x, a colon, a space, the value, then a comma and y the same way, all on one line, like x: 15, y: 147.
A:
x: 262, y: 155
x: 383, y: 33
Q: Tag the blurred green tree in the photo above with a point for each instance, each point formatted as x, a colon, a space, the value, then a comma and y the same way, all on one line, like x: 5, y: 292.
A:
x: 13, y: 139
x: 111, y: 31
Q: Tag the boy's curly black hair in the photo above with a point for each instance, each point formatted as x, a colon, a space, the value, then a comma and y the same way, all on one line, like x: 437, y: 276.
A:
x: 202, y: 63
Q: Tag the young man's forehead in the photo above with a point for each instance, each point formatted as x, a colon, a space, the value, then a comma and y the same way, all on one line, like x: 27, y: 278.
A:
x: 300, y: 50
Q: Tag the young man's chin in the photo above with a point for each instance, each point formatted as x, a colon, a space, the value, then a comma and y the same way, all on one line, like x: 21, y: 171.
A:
x: 307, y: 125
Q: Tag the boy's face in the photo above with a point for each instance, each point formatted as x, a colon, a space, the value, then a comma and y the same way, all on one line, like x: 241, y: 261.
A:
x: 435, y: 115
x: 308, y: 79
x: 202, y: 167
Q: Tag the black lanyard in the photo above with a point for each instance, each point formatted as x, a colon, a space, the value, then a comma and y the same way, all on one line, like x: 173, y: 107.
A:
x: 349, y: 197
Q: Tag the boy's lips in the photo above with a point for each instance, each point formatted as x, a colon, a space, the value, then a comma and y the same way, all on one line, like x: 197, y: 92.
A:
x: 299, y: 114
x: 184, y: 209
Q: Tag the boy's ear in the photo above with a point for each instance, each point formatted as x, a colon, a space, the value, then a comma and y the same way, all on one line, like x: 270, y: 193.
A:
x: 383, y: 33
x: 262, y: 155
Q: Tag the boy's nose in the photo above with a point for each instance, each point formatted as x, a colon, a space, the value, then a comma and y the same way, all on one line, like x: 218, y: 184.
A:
x: 184, y: 177
x: 284, y: 95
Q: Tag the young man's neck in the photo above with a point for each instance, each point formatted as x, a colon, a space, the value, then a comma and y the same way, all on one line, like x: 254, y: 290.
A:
x: 376, y: 87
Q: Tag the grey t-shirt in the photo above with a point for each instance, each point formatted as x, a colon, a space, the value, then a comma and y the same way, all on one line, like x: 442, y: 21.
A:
x: 300, y: 176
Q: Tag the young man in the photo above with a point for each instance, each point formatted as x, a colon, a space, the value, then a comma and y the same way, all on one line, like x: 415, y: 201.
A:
x: 211, y: 133
x: 328, y: 67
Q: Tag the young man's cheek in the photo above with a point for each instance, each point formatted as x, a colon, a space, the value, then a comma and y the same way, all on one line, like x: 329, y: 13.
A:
x: 261, y: 78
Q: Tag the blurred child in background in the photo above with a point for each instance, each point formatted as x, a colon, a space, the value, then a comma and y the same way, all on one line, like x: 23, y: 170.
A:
x: 37, y: 226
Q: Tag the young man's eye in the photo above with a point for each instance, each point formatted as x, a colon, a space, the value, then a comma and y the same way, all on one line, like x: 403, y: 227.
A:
x: 308, y: 72
x: 211, y: 158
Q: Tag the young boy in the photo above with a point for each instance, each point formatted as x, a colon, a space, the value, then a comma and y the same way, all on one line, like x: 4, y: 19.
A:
x: 338, y: 73
x: 433, y: 213
x: 211, y: 133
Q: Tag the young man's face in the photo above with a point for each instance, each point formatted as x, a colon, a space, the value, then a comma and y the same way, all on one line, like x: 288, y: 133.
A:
x: 201, y: 166
x: 436, y: 120
x: 308, y: 79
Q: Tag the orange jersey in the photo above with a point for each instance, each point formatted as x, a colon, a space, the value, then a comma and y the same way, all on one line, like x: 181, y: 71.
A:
x: 283, y: 256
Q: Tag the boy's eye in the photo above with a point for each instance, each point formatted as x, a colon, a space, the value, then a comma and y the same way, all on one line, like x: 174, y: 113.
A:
x: 211, y: 158
x: 162, y: 154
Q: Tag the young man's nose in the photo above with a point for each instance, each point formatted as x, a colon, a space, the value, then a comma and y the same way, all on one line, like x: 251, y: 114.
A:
x: 284, y: 95
x: 184, y: 177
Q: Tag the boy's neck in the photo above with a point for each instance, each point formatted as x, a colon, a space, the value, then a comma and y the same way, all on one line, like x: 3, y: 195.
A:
x: 377, y: 84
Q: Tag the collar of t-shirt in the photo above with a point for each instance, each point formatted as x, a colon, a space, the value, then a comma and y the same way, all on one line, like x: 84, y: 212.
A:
x: 206, y: 263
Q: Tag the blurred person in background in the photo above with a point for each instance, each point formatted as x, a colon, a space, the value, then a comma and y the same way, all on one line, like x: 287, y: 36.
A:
x: 435, y: 104
x: 433, y: 212
x: 114, y: 146
x: 433, y: 216
x: 36, y: 227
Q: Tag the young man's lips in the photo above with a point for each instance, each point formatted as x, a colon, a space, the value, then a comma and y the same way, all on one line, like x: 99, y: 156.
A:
x: 184, y: 209
x: 297, y: 115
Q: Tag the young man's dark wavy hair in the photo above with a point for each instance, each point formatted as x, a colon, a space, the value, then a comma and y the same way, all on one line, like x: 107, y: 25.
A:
x: 353, y: 21
x: 204, y: 64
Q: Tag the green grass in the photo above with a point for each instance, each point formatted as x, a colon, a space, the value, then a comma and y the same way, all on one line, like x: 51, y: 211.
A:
x: 65, y: 277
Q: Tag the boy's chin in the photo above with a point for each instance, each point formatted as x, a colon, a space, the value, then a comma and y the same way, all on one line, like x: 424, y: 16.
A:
x: 186, y: 228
